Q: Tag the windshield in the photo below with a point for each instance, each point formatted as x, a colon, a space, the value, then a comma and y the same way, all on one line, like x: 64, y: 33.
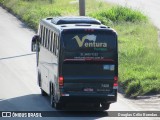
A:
x: 89, y: 42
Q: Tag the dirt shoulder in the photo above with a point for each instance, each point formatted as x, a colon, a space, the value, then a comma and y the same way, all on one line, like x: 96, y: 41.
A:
x: 144, y: 103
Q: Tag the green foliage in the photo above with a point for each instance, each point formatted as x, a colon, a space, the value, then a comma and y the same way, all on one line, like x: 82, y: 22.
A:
x: 119, y: 14
x: 31, y: 11
x: 138, y: 58
x: 138, y: 49
x: 134, y: 89
x: 150, y: 86
x: 138, y: 46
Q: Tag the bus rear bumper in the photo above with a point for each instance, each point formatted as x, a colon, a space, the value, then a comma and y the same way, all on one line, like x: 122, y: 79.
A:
x: 109, y: 98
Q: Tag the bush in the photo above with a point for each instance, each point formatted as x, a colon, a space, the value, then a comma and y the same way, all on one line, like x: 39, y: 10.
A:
x: 134, y: 89
x: 119, y: 14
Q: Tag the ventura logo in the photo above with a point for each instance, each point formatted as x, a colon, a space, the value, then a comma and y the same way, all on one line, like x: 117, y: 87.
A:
x: 92, y: 43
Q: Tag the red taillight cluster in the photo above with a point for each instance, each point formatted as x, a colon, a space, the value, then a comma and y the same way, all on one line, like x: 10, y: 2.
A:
x: 61, y: 80
x: 115, y: 81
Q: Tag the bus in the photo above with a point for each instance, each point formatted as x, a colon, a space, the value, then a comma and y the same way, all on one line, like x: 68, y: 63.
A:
x: 77, y: 61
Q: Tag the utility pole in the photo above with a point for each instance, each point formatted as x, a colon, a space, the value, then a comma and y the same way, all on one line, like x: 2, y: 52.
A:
x: 82, y: 7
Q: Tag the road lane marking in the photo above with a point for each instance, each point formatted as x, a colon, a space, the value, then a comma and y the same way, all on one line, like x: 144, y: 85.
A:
x: 17, y: 56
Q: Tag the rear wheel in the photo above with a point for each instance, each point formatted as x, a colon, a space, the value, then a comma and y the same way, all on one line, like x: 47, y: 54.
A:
x: 39, y: 79
x: 58, y: 105
x: 43, y: 93
x: 105, y: 106
x: 52, y: 100
x: 96, y: 106
x: 51, y: 96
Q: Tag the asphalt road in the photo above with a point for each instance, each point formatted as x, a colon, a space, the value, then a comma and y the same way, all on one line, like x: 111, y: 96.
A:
x: 18, y: 86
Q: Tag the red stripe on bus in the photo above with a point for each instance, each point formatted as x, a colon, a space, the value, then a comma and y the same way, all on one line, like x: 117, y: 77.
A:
x: 88, y: 59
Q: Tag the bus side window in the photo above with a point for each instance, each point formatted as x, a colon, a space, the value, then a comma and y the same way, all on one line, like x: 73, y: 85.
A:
x: 57, y: 42
x: 51, y: 41
x: 55, y: 45
x: 44, y: 35
x: 41, y: 34
x: 39, y: 31
x: 46, y: 38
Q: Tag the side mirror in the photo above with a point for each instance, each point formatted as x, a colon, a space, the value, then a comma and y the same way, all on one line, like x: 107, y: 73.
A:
x: 35, y: 43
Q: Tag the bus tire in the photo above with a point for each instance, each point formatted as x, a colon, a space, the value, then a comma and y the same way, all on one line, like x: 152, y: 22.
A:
x: 52, y: 100
x: 43, y: 93
x: 96, y: 106
x: 51, y: 96
x: 39, y: 79
x: 58, y: 106
x: 105, y: 106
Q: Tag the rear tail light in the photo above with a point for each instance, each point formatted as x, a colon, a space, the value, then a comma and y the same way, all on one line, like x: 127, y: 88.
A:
x: 61, y: 80
x: 115, y: 84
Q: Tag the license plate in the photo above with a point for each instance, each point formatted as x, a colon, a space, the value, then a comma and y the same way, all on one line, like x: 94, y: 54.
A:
x: 88, y: 89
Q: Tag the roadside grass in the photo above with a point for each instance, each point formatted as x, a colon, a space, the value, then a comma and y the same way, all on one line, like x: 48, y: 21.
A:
x: 32, y: 11
x: 118, y: 14
x: 139, y: 56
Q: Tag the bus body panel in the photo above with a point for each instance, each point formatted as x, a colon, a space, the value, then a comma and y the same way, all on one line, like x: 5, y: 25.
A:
x: 48, y: 67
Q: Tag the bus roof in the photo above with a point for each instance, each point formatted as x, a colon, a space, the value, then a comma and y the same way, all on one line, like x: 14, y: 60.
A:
x: 78, y: 22
x: 74, y: 20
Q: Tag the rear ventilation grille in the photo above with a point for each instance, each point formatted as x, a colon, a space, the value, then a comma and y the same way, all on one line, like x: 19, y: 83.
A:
x: 75, y: 20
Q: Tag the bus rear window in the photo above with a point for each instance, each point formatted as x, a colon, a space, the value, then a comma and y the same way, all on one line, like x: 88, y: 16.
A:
x: 90, y: 42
